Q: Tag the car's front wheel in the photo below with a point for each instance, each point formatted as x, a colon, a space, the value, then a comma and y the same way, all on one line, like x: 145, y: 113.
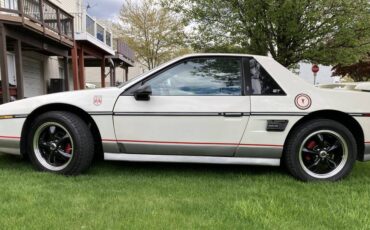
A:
x: 320, y: 150
x: 60, y: 142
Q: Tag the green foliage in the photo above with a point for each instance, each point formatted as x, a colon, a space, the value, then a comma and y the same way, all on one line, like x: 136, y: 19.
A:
x: 359, y: 71
x: 320, y: 31
x: 119, y: 195
x: 155, y: 33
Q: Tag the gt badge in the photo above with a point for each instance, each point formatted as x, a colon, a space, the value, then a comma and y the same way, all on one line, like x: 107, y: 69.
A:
x: 98, y: 100
x: 303, y: 101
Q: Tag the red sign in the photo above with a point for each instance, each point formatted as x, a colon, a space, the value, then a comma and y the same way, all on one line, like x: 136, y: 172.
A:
x: 315, y: 68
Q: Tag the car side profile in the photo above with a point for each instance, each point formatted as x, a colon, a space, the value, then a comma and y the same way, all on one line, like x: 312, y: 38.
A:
x: 200, y: 108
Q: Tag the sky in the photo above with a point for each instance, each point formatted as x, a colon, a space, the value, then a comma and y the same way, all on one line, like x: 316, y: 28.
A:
x: 109, y: 9
x: 104, y: 9
x: 323, y: 76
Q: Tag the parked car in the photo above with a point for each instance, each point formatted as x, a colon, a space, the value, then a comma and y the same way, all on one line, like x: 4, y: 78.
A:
x: 201, y: 108
x: 357, y: 86
x: 90, y: 86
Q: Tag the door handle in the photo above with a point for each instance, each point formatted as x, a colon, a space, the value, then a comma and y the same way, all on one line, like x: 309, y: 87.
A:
x: 232, y: 114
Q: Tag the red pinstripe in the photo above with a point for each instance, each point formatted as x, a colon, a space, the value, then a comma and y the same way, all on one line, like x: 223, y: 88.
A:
x: 191, y: 143
x: 9, y: 137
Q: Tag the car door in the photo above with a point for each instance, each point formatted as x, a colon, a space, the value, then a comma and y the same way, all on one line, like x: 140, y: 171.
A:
x: 271, y: 117
x: 196, y: 106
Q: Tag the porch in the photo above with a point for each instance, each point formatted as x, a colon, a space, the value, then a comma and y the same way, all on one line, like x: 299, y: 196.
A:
x: 36, y: 26
x: 96, y: 48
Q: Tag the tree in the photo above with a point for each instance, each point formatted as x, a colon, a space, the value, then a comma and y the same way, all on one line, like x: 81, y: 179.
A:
x: 359, y: 71
x: 155, y: 33
x: 320, y: 31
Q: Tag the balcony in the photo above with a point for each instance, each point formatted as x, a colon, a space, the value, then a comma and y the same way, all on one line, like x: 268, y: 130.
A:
x: 41, y: 16
x: 87, y: 28
x: 124, y: 52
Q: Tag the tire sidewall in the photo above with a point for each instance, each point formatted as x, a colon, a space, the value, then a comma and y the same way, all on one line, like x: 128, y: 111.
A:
x: 77, y: 138
x: 305, y: 130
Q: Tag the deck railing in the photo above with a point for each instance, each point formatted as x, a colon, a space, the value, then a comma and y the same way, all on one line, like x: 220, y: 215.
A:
x: 125, y: 50
x: 84, y: 23
x: 42, y: 12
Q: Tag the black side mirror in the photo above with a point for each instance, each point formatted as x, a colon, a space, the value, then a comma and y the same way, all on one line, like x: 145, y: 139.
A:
x: 143, y: 93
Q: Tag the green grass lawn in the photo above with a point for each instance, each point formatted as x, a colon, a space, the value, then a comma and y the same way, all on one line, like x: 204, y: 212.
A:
x: 179, y: 196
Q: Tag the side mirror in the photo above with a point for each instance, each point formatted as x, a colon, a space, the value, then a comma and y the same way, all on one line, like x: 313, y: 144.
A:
x: 143, y: 93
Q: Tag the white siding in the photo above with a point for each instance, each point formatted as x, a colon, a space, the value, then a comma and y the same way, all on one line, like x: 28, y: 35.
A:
x: 71, y: 6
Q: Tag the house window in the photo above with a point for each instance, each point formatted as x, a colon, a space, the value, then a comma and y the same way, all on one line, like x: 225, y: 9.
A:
x: 108, y: 37
x: 11, y: 4
x: 100, y: 32
x: 90, y: 25
x: 11, y: 70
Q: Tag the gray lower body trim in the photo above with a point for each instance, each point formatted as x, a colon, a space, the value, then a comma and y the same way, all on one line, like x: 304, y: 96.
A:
x: 169, y: 149
x: 197, y: 150
x: 191, y: 159
x: 260, y: 152
x: 367, y: 153
x: 110, y: 147
x: 10, y: 146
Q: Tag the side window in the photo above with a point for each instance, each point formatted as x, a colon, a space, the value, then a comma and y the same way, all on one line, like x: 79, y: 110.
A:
x: 261, y: 81
x: 218, y: 76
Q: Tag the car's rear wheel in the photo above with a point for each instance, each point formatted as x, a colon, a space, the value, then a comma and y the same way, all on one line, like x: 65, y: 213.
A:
x: 60, y: 142
x: 321, y: 150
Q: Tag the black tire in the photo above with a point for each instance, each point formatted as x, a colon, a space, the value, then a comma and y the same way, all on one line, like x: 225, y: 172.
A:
x: 303, y: 164
x: 44, y: 131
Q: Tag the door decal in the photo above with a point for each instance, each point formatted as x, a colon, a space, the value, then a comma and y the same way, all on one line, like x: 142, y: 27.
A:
x: 303, y: 101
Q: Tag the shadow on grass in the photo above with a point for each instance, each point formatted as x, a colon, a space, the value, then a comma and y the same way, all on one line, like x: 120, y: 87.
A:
x: 185, y: 168
x: 8, y: 162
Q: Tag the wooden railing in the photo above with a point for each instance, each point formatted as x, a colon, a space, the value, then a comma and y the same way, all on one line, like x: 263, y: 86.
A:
x: 125, y: 50
x: 42, y: 12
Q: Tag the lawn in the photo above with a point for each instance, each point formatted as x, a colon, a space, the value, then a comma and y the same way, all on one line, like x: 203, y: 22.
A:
x: 179, y: 196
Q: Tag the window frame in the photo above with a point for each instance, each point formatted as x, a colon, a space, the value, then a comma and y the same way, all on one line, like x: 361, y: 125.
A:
x: 130, y: 91
x: 248, y: 79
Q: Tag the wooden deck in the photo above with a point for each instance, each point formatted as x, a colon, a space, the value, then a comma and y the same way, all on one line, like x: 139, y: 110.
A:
x: 30, y: 14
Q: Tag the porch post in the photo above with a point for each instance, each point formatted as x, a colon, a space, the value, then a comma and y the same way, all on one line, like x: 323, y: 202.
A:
x: 75, y: 67
x: 102, y: 72
x: 4, y: 65
x: 126, y: 75
x: 114, y: 76
x: 19, y: 69
x: 81, y: 67
x: 111, y: 76
x: 66, y: 74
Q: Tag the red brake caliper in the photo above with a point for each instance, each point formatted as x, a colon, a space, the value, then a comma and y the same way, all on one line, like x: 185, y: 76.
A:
x: 310, y: 146
x: 68, y: 148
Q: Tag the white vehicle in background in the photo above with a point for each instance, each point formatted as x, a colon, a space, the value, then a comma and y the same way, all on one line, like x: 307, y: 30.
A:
x: 90, y: 86
x: 357, y: 86
x: 201, y: 108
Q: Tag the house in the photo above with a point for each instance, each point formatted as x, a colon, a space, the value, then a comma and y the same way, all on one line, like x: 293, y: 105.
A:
x: 30, y: 34
x: 45, y: 46
x: 96, y: 47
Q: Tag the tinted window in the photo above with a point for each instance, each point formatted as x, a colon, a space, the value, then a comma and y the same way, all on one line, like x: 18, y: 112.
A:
x: 261, y: 81
x: 199, y: 77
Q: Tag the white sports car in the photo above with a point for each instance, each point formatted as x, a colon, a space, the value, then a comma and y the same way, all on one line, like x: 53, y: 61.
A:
x: 202, y: 108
